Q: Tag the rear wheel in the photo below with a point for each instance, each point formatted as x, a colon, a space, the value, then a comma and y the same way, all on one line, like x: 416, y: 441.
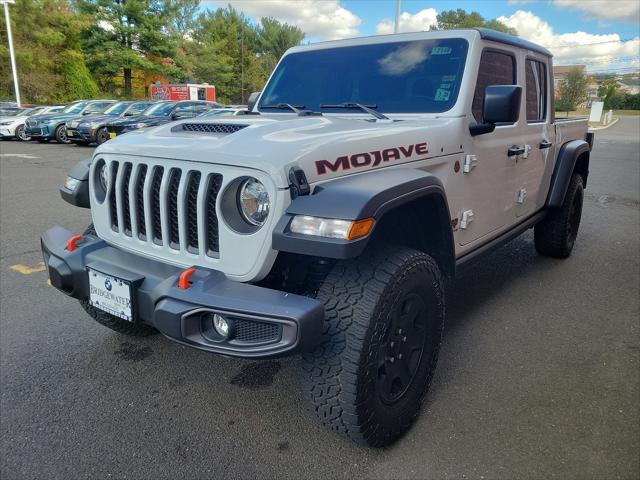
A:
x: 21, y: 134
x: 556, y: 234
x: 384, y: 322
x: 61, y: 134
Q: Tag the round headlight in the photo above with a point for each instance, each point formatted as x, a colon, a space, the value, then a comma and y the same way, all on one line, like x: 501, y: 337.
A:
x: 253, y: 201
x: 103, y: 175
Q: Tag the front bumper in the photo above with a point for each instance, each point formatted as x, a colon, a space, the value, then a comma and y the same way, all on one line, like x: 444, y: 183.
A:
x: 7, y: 132
x: 80, y: 135
x: 294, y: 322
x: 41, y: 131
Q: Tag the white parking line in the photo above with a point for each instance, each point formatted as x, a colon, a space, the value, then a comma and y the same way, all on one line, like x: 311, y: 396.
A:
x: 17, y: 155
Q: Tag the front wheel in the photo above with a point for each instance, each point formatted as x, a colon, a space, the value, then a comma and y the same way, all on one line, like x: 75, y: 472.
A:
x: 376, y: 357
x: 102, y: 136
x: 61, y: 134
x: 21, y: 134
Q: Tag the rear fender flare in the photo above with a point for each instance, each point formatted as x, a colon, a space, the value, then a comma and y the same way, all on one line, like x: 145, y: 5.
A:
x: 563, y: 170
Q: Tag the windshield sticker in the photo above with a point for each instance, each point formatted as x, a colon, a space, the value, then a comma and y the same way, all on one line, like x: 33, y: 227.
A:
x: 371, y: 159
x: 448, y: 78
x: 442, y: 95
x: 440, y: 50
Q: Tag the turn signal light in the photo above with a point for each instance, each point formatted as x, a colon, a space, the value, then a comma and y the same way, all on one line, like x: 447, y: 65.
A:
x: 360, y: 228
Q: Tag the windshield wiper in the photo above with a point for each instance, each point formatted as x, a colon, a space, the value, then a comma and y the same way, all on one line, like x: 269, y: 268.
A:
x: 282, y: 106
x: 364, y: 108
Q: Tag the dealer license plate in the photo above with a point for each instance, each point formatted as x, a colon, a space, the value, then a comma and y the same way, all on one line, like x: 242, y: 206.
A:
x: 110, y: 294
x: 112, y: 134
x: 69, y: 133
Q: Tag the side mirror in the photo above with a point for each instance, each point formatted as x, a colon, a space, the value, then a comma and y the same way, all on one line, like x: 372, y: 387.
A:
x: 501, y: 105
x: 86, y: 113
x: 128, y: 114
x: 253, y: 98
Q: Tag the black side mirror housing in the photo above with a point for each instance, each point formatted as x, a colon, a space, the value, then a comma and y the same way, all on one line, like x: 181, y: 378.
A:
x: 253, y: 98
x: 501, y: 105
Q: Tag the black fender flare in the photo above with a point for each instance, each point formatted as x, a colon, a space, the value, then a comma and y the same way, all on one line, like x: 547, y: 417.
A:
x: 563, y: 170
x: 79, y: 197
x: 356, y: 197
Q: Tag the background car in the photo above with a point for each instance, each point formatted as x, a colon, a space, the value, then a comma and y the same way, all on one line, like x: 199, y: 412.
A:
x: 12, y: 120
x: 161, y: 113
x: 52, y: 126
x: 91, y: 128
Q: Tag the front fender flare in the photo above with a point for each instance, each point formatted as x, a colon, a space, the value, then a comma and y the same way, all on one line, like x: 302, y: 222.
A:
x: 355, y: 197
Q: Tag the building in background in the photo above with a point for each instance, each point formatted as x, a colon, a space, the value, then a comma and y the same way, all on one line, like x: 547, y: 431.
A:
x: 560, y: 75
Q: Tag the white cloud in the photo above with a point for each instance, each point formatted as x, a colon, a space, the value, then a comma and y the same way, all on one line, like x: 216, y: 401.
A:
x: 521, y: 2
x: 409, y: 23
x: 319, y: 19
x: 626, y: 10
x: 598, y: 52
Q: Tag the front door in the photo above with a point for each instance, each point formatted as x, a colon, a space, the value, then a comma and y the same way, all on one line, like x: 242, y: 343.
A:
x: 488, y: 172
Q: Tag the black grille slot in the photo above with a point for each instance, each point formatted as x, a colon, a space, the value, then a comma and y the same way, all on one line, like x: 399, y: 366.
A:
x: 212, y: 127
x: 256, y: 332
x: 113, y: 204
x: 156, y: 225
x: 213, y: 247
x: 142, y: 224
x: 192, y: 211
x: 172, y: 207
x: 126, y: 208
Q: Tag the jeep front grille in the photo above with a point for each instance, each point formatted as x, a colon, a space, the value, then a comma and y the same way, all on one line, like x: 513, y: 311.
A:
x: 162, y: 206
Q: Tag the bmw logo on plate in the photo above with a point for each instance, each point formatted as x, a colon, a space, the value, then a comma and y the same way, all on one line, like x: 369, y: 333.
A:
x: 107, y: 285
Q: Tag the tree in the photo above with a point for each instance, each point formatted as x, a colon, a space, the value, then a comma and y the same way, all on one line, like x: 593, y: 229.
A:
x: 128, y: 35
x: 573, y: 91
x: 450, y: 19
x: 607, y: 90
x: 49, y: 60
x: 274, y: 39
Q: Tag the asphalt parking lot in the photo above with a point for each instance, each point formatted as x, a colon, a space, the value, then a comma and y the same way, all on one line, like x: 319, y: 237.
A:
x: 539, y: 376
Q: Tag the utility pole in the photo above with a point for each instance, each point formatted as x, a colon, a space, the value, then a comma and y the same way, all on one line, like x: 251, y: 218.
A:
x: 396, y: 26
x: 6, y: 3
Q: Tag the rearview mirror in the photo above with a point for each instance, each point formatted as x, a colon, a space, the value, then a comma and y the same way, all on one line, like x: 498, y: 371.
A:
x: 501, y: 105
x: 253, y: 98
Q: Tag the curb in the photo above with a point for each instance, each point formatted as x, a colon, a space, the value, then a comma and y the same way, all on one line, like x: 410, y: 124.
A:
x: 613, y: 122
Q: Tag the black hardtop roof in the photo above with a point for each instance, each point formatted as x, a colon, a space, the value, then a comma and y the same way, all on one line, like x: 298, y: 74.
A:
x: 495, y: 36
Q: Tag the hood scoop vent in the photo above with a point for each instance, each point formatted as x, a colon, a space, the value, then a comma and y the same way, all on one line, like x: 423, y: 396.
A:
x: 209, y: 127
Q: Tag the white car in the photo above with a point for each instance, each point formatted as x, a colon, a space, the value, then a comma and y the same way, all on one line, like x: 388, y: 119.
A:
x: 12, y: 122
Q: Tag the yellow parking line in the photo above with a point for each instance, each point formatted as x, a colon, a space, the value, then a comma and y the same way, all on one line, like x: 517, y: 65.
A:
x: 23, y: 269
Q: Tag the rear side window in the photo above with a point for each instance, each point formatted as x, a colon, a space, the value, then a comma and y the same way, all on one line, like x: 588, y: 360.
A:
x: 496, y: 68
x: 536, y: 73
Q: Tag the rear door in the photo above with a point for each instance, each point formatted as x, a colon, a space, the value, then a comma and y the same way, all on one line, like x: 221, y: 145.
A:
x: 537, y: 136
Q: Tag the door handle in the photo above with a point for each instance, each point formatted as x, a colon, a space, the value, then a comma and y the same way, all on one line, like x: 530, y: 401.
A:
x: 545, y: 144
x: 516, y: 150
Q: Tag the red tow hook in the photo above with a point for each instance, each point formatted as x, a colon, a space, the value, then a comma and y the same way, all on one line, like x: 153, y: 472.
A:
x: 183, y: 280
x: 72, y: 243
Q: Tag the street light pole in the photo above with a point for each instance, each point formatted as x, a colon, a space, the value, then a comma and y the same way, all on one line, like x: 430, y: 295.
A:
x: 396, y: 26
x: 6, y: 3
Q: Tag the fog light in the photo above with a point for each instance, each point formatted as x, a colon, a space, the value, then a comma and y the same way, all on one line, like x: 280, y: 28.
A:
x: 221, y: 325
x: 71, y: 183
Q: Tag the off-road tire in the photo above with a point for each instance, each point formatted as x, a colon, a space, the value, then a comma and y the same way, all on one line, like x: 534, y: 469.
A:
x: 345, y: 376
x: 61, y: 134
x: 134, y: 329
x: 556, y: 234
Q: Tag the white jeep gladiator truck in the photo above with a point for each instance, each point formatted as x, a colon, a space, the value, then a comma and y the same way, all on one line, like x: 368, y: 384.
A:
x: 326, y: 219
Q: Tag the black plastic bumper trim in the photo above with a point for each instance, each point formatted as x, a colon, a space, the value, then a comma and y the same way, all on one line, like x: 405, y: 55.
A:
x: 159, y: 302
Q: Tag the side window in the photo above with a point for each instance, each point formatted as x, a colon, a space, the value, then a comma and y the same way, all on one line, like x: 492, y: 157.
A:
x: 536, y: 73
x: 496, y: 68
x: 183, y: 111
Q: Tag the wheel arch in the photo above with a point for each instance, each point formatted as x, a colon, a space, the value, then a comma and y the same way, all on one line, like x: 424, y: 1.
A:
x: 572, y: 157
x: 409, y: 206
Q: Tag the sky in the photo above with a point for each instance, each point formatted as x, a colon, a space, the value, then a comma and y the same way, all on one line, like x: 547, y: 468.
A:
x: 602, y: 34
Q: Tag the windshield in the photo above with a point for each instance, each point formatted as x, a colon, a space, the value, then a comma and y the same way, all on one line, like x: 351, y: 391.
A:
x: 217, y: 111
x: 74, y: 107
x: 138, y: 107
x: 159, y: 110
x: 12, y: 112
x: 117, y: 108
x: 399, y: 77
